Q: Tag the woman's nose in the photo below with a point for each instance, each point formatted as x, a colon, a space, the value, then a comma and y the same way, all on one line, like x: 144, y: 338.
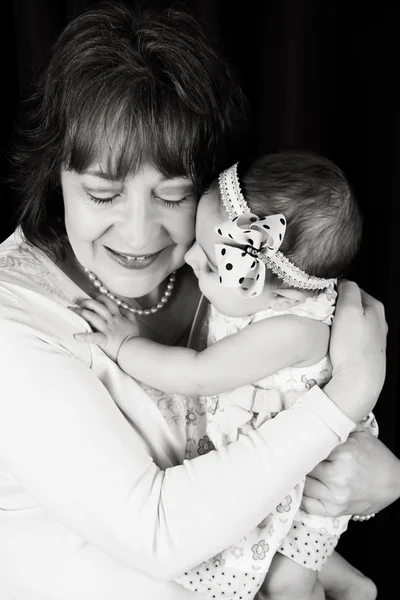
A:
x: 140, y: 224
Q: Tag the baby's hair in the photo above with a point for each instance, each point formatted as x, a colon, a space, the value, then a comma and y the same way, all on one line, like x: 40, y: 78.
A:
x: 324, y: 223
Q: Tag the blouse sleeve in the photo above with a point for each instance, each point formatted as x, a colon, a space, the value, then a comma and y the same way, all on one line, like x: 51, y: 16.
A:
x: 65, y: 440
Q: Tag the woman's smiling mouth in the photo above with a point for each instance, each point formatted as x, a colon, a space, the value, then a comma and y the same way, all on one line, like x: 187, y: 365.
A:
x: 132, y: 261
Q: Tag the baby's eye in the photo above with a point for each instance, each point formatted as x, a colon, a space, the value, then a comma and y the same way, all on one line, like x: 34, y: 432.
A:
x: 207, y: 268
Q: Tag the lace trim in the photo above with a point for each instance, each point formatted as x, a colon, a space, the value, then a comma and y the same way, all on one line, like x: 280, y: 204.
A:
x: 172, y: 408
x: 24, y: 261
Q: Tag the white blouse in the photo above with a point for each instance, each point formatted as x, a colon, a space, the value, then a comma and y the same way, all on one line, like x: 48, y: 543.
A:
x: 97, y: 500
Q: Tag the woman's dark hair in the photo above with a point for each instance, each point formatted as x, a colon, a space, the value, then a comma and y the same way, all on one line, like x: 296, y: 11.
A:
x: 324, y: 223
x: 125, y: 85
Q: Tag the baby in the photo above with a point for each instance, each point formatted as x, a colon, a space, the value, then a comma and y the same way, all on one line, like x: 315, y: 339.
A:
x: 267, y: 259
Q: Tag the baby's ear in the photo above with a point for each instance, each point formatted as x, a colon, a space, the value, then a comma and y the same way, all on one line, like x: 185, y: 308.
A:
x: 284, y: 298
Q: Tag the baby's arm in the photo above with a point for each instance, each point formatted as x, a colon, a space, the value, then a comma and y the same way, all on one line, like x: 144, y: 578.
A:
x: 255, y: 352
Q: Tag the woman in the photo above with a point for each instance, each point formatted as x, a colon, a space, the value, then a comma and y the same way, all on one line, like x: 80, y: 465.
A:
x: 132, y: 119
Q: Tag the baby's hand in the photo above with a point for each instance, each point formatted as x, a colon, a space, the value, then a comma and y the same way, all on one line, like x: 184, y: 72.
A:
x: 111, y: 328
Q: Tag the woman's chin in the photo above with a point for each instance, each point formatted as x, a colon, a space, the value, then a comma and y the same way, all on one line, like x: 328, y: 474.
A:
x: 136, y: 284
x: 127, y: 290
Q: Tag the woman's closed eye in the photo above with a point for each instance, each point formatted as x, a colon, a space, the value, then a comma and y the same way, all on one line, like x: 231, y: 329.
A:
x: 106, y: 200
x: 171, y: 203
x: 110, y: 199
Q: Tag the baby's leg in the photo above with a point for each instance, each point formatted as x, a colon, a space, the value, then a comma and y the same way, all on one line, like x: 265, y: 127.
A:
x: 216, y: 580
x: 287, y: 580
x: 342, y: 581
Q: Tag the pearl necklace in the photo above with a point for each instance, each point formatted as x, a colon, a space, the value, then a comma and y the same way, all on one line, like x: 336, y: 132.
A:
x: 137, y: 311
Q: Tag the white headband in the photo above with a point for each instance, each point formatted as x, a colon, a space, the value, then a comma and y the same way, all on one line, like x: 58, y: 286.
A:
x: 250, y: 243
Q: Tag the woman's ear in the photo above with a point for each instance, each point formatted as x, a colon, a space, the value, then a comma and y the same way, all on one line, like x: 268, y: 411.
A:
x: 284, y: 298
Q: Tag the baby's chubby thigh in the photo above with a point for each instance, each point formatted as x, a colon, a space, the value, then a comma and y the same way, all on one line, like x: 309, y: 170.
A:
x: 287, y: 580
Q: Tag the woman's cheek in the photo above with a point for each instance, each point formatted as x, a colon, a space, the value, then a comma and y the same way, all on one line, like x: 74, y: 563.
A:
x: 86, y: 224
x: 184, y: 225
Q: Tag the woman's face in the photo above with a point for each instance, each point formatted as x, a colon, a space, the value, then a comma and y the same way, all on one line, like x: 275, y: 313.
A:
x: 133, y: 233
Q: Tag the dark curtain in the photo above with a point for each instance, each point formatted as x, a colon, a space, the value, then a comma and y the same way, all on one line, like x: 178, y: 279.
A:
x: 319, y: 75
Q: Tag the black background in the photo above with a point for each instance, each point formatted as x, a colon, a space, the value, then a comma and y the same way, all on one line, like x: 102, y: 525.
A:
x: 319, y: 75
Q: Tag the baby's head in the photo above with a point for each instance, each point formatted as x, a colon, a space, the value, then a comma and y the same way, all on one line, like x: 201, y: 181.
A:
x: 322, y: 235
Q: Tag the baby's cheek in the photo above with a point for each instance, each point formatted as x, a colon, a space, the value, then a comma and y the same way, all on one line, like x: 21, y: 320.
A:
x: 213, y: 290
x: 205, y: 287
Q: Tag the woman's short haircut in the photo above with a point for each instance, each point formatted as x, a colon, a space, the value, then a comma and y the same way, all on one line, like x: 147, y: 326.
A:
x: 123, y: 86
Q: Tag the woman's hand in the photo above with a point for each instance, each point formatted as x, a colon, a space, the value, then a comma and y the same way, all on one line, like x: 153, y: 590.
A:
x: 361, y: 477
x: 111, y: 328
x: 357, y: 351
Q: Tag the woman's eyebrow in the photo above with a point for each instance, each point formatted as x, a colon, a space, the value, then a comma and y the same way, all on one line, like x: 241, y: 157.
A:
x: 101, y: 174
x: 175, y: 183
x: 165, y: 182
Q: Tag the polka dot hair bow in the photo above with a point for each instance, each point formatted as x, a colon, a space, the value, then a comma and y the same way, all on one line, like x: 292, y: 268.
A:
x: 251, y: 244
x: 238, y: 256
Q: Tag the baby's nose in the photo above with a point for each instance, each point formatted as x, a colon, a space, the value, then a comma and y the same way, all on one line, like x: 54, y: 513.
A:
x: 192, y: 256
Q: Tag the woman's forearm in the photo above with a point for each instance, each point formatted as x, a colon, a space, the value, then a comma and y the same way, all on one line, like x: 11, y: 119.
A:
x: 357, y: 351
x: 90, y: 469
x: 348, y: 396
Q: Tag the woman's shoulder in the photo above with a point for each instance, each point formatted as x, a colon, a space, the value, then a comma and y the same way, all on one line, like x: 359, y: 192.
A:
x: 25, y: 267
x: 33, y: 301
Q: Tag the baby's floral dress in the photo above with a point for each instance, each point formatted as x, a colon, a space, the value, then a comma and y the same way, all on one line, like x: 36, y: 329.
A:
x: 239, y: 571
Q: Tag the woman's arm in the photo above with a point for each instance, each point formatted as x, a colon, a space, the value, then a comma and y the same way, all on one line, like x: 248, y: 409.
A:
x: 63, y: 438
x: 358, y: 338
